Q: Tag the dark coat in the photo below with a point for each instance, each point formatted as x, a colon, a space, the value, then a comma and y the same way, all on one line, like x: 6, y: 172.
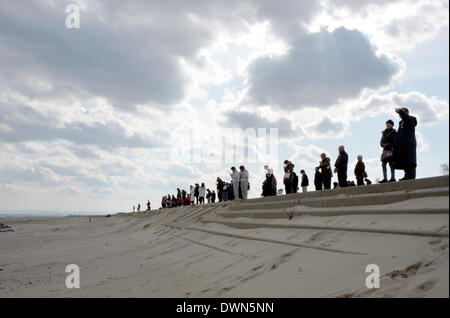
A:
x: 294, y: 181
x: 305, y: 181
x: 270, y: 186
x: 388, y: 138
x: 342, y: 162
x: 289, y: 168
x: 318, y: 180
x: 325, y: 167
x: 405, y: 149
x: 360, y: 170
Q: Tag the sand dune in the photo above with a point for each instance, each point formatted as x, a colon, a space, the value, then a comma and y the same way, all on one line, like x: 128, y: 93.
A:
x: 304, y: 245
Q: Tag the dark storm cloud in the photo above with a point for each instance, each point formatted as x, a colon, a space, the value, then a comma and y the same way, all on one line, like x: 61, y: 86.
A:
x: 320, y: 69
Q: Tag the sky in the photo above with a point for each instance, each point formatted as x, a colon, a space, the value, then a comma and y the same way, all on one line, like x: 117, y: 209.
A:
x: 97, y: 117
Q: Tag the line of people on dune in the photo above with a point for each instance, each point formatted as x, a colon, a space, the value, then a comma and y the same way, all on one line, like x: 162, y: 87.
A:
x: 398, y: 152
x: 226, y: 191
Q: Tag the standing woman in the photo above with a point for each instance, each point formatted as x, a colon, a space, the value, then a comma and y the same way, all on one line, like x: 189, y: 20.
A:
x: 202, y: 193
x: 196, y: 192
x: 405, y: 151
x: 387, y: 142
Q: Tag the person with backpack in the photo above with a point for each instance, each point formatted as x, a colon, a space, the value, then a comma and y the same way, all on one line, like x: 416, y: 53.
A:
x: 318, y: 179
x: 305, y: 181
x: 360, y: 171
x: 387, y: 142
x: 327, y: 173
x: 288, y: 178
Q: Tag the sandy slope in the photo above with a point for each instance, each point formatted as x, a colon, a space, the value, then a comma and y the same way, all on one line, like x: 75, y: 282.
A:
x: 174, y: 253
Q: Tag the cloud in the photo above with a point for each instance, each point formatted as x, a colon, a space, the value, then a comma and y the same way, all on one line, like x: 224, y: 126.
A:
x: 320, y: 70
x: 392, y: 24
x: 428, y: 110
x: 422, y: 144
x: 326, y: 128
x: 27, y: 124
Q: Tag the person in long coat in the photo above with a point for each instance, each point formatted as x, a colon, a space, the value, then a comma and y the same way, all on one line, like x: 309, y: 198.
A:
x: 327, y: 173
x: 318, y: 179
x: 341, y: 165
x: 405, y: 151
x: 289, y: 176
x: 360, y: 171
x: 387, y: 142
x: 220, y: 185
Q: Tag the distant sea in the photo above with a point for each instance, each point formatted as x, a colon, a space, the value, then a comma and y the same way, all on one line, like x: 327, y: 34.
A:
x: 50, y: 213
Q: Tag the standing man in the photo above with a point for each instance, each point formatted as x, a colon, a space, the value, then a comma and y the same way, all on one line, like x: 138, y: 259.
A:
x: 244, y: 181
x: 341, y: 167
x: 288, y: 176
x: 235, y: 181
x: 360, y: 171
x: 220, y: 185
x: 192, y: 193
x: 325, y: 167
x: 305, y: 181
x: 318, y: 179
x: 405, y: 152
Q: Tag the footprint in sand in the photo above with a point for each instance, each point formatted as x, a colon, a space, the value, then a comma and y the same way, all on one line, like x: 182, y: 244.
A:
x: 426, y: 286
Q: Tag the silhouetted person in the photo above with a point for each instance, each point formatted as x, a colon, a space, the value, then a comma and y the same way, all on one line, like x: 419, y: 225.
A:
x: 327, y: 173
x: 294, y: 183
x: 288, y: 176
x: 220, y: 185
x: 196, y: 192
x: 270, y: 184
x: 360, y: 171
x: 318, y: 180
x: 341, y: 165
x: 305, y: 181
x: 388, y: 142
x: 405, y: 149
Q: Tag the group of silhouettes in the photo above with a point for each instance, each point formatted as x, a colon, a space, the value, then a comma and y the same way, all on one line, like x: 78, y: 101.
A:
x: 398, y: 152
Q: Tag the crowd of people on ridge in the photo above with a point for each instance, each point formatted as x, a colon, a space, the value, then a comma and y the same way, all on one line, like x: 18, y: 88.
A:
x: 398, y: 151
